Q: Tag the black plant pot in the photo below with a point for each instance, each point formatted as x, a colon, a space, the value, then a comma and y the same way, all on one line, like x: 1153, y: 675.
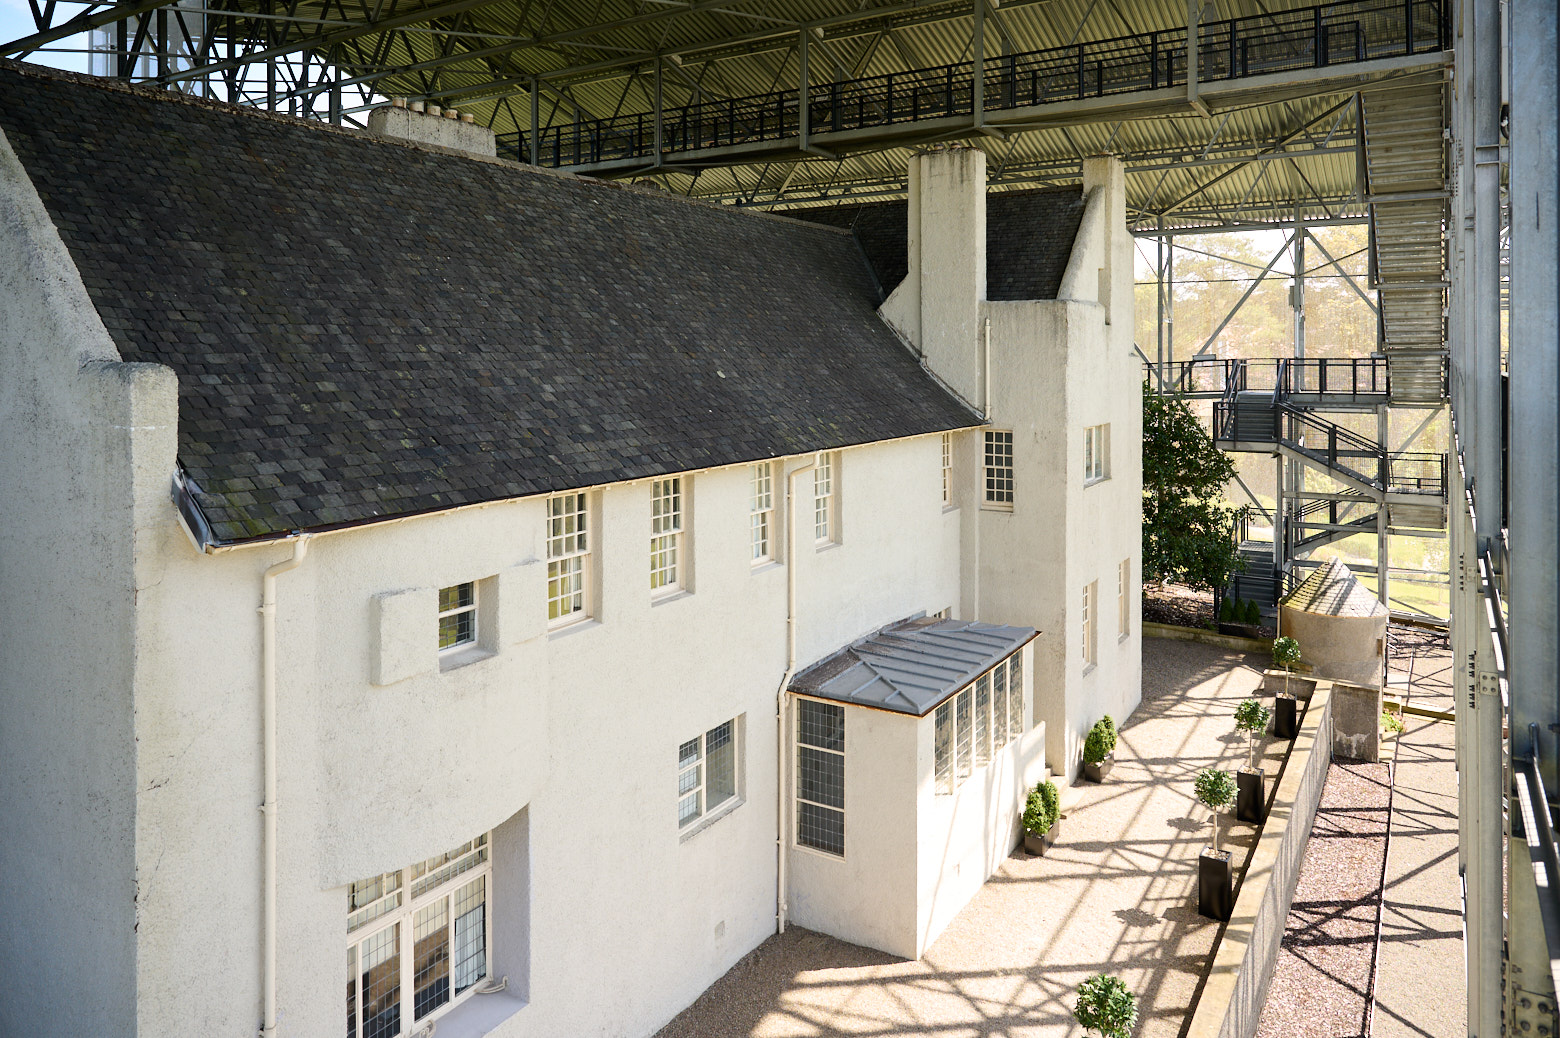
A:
x: 1215, y: 887
x: 1251, y: 795
x: 1097, y: 772
x: 1039, y: 843
x: 1284, y: 724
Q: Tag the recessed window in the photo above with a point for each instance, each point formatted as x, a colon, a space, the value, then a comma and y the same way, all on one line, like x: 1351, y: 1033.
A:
x: 826, y: 500
x: 666, y: 535
x: 999, y: 469
x: 1124, y: 598
x: 947, y: 469
x: 820, y: 776
x: 761, y: 511
x: 1096, y: 453
x: 706, y: 773
x: 1091, y: 600
x: 457, y: 616
x: 417, y: 940
x: 568, y: 559
x: 977, y: 722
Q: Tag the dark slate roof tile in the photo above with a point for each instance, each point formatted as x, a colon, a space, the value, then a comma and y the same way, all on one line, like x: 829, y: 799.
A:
x: 1029, y: 237
x: 419, y: 330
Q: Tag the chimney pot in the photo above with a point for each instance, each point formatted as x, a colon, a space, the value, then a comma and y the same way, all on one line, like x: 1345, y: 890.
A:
x: 467, y: 117
x: 451, y: 113
x: 417, y: 106
x: 398, y: 102
x: 434, y: 110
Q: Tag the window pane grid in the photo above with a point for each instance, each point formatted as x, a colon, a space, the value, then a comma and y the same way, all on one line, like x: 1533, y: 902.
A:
x: 442, y: 935
x: 666, y: 524
x: 706, y: 772
x: 820, y: 821
x: 999, y: 468
x: 1090, y: 596
x: 1096, y: 453
x: 761, y: 510
x: 823, y: 499
x: 457, y: 615
x: 1123, y: 598
x: 947, y: 468
x: 971, y: 727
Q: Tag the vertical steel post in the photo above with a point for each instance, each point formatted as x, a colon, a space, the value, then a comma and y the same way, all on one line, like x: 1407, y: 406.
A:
x: 535, y: 156
x: 1383, y: 437
x: 978, y: 73
x: 802, y: 119
x: 660, y: 123
x: 1159, y: 300
x: 1193, y: 18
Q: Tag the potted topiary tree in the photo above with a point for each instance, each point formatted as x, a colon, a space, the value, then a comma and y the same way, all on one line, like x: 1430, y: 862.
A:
x: 1252, y: 718
x: 1042, y: 818
x: 1106, y: 1007
x: 1099, y: 750
x: 1215, y: 884
x: 1286, y: 654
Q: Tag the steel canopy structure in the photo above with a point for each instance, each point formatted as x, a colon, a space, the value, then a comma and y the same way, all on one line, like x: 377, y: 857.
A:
x: 1433, y: 122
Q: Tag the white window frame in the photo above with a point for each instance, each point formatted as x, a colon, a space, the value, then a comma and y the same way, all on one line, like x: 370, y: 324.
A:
x: 668, y: 507
x: 796, y: 830
x: 1091, y: 608
x: 947, y: 469
x: 953, y: 766
x: 693, y: 777
x: 997, y: 468
x: 826, y: 500
x: 1096, y: 454
x: 395, y: 912
x: 568, y: 559
x: 761, y: 513
x: 1124, y: 598
x: 461, y: 644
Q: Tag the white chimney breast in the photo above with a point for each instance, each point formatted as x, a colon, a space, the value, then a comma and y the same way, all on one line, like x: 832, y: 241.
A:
x: 454, y: 133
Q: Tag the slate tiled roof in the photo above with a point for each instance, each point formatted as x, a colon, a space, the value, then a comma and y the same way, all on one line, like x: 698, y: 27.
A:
x: 911, y: 667
x: 1029, y: 236
x: 363, y: 329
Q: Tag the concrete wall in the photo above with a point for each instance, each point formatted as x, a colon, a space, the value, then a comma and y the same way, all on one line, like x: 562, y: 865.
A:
x: 1346, y: 648
x: 88, y: 452
x: 1230, y: 1005
x: 576, y: 732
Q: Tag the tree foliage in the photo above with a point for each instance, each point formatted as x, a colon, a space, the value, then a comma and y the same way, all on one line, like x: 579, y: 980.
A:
x: 1043, y: 808
x: 1105, y: 1005
x: 1186, y: 524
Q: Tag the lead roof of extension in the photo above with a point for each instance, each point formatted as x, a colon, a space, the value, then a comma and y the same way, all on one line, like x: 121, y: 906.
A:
x: 1029, y: 237
x: 913, y: 666
x: 363, y: 329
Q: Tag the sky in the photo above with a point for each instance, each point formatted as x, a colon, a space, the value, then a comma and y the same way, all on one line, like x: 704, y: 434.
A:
x: 16, y: 21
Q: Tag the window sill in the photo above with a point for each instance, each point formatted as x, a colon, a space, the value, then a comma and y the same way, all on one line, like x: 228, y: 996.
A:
x: 708, y: 820
x: 675, y: 595
x: 765, y: 565
x: 463, y: 657
x: 1090, y: 668
x: 822, y: 546
x: 1096, y: 481
x: 588, y: 623
x: 991, y: 506
x: 478, y: 1015
x: 950, y: 508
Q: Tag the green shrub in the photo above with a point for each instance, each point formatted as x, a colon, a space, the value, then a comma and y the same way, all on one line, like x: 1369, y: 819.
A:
x: 1252, y: 718
x: 1227, y: 610
x: 1101, y: 741
x: 1216, y: 789
x: 1286, y: 652
x: 1390, y: 721
x: 1042, y: 809
x: 1106, y: 1006
x: 1253, y: 615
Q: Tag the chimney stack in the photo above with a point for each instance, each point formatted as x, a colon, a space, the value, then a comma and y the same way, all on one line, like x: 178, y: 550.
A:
x: 433, y: 125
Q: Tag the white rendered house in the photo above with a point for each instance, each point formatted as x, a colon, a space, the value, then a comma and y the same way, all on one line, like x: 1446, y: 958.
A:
x: 554, y: 497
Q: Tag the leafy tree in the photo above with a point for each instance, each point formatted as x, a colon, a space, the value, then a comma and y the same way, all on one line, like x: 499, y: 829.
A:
x: 1252, y: 718
x: 1286, y: 653
x: 1186, y: 524
x: 1216, y: 789
x: 1105, y: 1005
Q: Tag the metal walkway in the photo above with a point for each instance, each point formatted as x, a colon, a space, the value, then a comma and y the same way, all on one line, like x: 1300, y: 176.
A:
x: 1352, y: 36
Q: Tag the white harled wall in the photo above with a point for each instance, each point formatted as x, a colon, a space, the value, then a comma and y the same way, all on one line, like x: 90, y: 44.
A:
x: 131, y: 743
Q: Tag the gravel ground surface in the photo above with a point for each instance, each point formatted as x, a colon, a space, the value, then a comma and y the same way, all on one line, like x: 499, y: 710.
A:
x: 1322, y: 975
x: 1117, y: 895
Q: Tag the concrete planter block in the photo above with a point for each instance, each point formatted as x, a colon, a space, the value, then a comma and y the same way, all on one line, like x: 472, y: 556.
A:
x: 1099, y: 772
x: 1039, y: 843
x: 1251, y: 795
x: 1356, y: 722
x: 1285, y: 716
x: 1215, y: 885
x: 1300, y: 686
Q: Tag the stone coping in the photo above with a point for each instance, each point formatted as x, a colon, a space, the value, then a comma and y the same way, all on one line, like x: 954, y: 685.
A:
x: 1197, y: 634
x: 1230, y: 1004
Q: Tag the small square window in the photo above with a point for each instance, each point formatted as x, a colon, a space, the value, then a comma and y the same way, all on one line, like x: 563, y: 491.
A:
x: 1096, y: 453
x: 707, y: 773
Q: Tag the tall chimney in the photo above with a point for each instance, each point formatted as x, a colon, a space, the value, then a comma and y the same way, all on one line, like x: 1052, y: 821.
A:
x: 441, y: 128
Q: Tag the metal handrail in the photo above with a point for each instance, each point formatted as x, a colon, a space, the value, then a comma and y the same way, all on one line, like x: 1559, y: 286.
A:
x: 1312, y: 37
